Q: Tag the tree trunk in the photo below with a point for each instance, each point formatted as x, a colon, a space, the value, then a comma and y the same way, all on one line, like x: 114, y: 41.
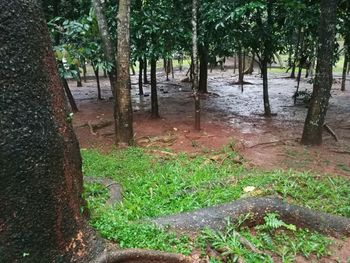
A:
x: 312, y: 134
x: 267, y: 108
x: 145, y: 80
x: 140, y: 76
x: 203, y: 72
x: 40, y: 162
x: 97, y: 75
x: 345, y: 67
x: 107, y: 42
x: 250, y: 70
x: 154, y: 96
x: 123, y: 108
x: 79, y: 84
x: 240, y: 67
x: 84, y: 71
x: 70, y: 97
x: 292, y: 75
x: 195, y: 83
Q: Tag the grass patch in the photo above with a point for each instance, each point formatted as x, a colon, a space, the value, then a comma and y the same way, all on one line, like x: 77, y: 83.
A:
x: 155, y: 186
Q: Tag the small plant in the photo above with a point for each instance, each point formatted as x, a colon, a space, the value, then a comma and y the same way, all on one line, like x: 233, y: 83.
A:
x: 272, y: 222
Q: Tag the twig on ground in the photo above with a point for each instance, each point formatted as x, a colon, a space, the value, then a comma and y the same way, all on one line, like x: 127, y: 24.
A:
x: 331, y: 132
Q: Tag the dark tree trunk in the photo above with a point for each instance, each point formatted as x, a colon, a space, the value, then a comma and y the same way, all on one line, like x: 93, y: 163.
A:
x: 97, y: 75
x: 123, y: 111
x: 240, y: 68
x: 154, y: 95
x: 107, y: 42
x: 79, y: 84
x: 40, y: 162
x: 145, y: 80
x: 84, y: 71
x: 203, y: 72
x: 195, y: 83
x: 133, y: 69
x: 312, y: 134
x: 292, y: 75
x: 267, y: 108
x: 140, y: 76
x: 70, y: 97
x: 345, y: 67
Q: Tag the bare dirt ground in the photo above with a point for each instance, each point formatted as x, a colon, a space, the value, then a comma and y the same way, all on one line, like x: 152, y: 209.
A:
x: 229, y: 117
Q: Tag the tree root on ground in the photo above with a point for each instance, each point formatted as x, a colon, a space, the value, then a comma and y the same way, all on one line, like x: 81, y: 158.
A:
x: 141, y: 256
x: 214, y: 217
x: 331, y: 132
x: 115, y: 190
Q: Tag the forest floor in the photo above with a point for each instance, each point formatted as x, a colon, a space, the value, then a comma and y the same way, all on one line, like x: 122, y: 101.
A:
x: 229, y: 117
x: 157, y: 179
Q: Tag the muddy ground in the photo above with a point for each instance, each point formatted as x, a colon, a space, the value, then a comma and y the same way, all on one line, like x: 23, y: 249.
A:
x: 229, y: 117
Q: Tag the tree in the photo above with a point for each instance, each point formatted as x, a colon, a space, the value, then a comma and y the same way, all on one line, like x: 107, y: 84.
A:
x: 195, y: 84
x: 313, y: 127
x: 123, y: 106
x: 40, y: 163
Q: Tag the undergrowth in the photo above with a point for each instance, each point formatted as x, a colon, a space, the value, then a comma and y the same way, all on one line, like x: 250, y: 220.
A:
x: 155, y: 186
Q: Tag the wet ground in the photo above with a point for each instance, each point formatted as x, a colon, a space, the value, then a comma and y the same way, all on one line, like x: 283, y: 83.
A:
x: 229, y: 117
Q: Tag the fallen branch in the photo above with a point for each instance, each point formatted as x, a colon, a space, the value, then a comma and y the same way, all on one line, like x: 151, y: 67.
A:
x: 214, y: 217
x: 341, y: 152
x: 331, y: 132
x: 265, y: 143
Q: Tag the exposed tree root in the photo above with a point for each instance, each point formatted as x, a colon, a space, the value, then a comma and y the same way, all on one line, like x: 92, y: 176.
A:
x: 214, y: 217
x: 141, y: 256
x: 331, y: 132
x: 114, y: 189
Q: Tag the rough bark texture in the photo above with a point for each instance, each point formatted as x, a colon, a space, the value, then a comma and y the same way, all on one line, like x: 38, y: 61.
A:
x: 312, y: 134
x: 40, y: 163
x: 203, y: 72
x: 107, y: 43
x: 215, y: 217
x: 195, y: 83
x: 123, y: 112
x: 154, y: 95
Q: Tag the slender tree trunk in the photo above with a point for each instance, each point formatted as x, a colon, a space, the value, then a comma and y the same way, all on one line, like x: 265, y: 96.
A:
x: 267, y: 108
x: 298, y: 85
x: 195, y: 84
x: 79, y: 84
x: 133, y: 69
x: 292, y: 75
x: 107, y: 42
x: 70, y: 97
x: 240, y: 68
x: 251, y: 66
x: 140, y: 76
x: 312, y: 134
x: 40, y: 162
x: 145, y: 80
x: 123, y: 111
x: 97, y: 75
x: 84, y: 70
x: 203, y: 72
x: 345, y: 67
x: 154, y: 96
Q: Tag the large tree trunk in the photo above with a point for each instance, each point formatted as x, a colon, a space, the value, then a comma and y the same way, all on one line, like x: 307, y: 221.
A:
x: 195, y: 83
x: 154, y: 96
x: 203, y: 72
x: 312, y: 133
x: 107, y: 42
x: 123, y: 111
x: 40, y: 163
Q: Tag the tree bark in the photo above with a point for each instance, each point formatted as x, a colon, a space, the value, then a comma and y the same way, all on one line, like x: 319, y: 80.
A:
x: 145, y: 80
x: 345, y: 67
x: 267, y: 108
x: 154, y: 95
x: 70, y: 97
x: 140, y: 76
x: 97, y: 76
x: 123, y: 111
x: 40, y: 162
x: 195, y: 83
x: 203, y: 72
x: 312, y: 134
x: 240, y: 67
x: 107, y: 42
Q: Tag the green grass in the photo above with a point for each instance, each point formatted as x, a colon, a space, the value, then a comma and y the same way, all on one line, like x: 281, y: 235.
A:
x: 155, y: 186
